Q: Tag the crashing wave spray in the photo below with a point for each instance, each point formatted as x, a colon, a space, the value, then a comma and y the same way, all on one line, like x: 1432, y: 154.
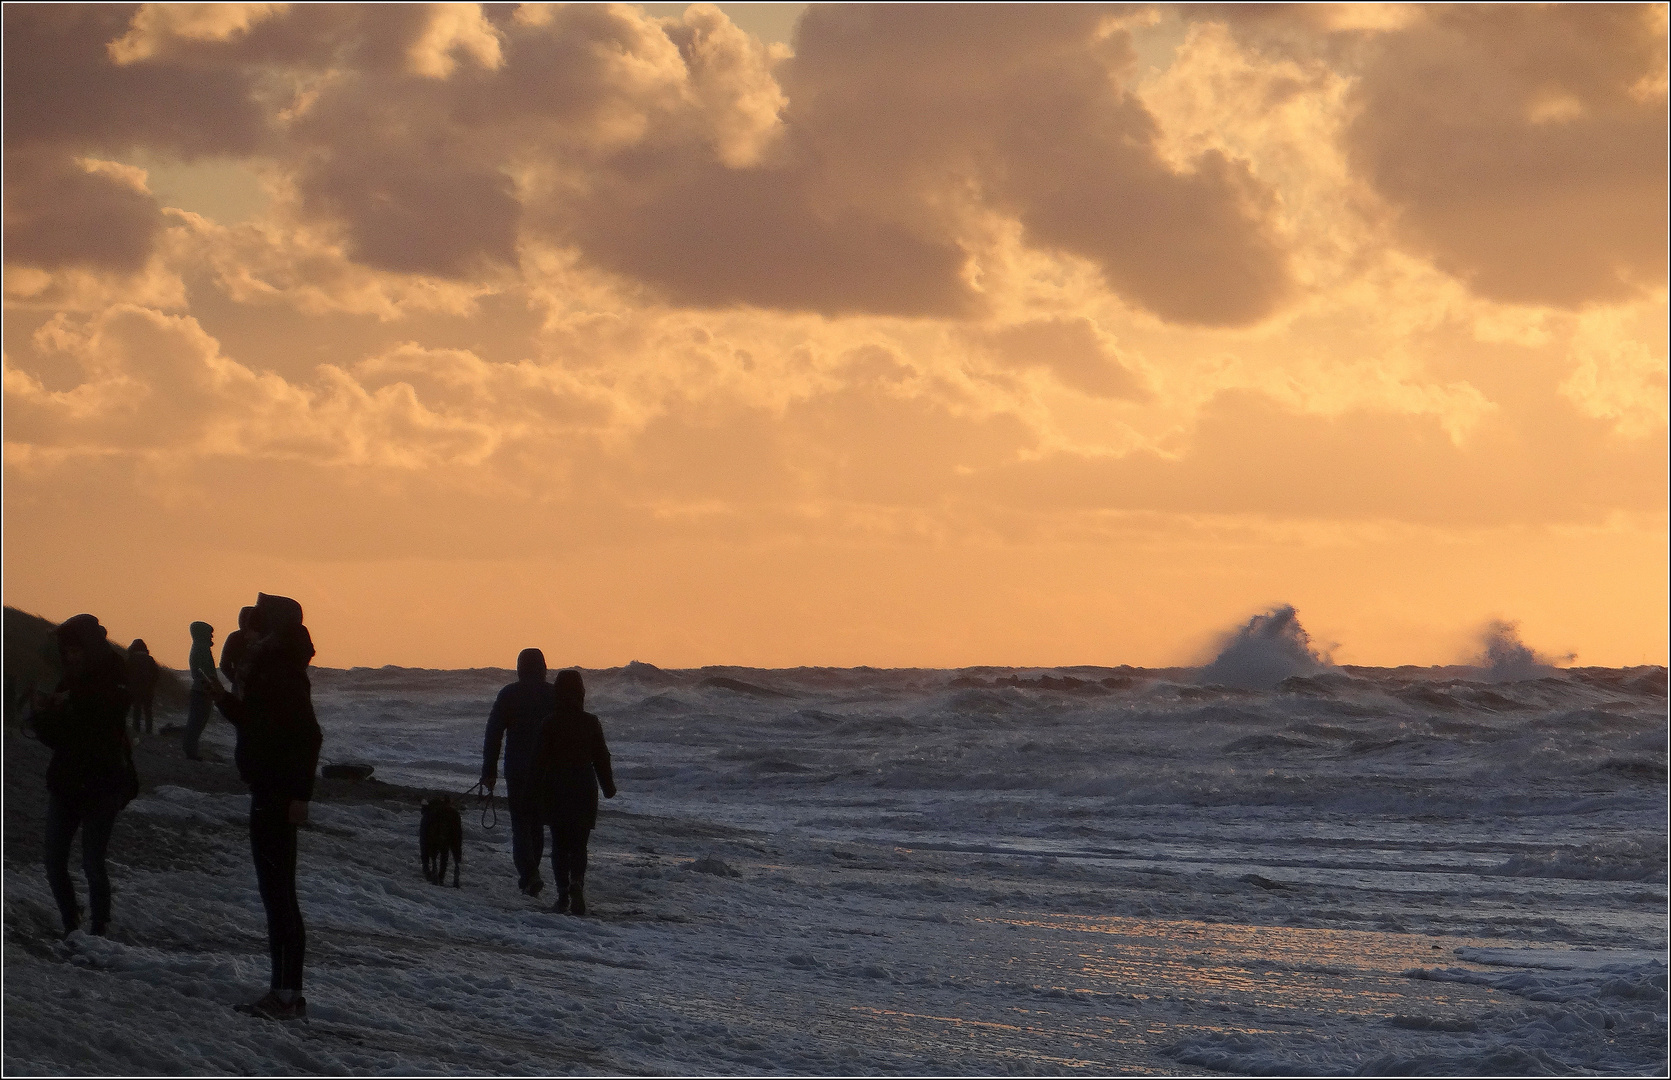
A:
x: 1268, y: 649
x: 1508, y: 659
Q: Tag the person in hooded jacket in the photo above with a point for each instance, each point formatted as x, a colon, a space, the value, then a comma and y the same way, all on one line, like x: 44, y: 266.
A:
x: 204, y: 683
x: 573, y: 762
x: 517, y: 719
x: 236, y: 649
x: 142, y: 685
x: 91, y: 775
x: 277, y: 756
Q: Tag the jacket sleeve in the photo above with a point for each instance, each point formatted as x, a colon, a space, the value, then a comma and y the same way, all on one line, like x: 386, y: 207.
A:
x: 496, y: 721
x: 600, y: 760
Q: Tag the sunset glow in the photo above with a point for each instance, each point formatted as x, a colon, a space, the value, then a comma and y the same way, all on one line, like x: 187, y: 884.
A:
x: 903, y: 336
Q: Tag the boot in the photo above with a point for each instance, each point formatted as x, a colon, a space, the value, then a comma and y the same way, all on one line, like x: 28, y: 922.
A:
x: 577, y: 897
x: 562, y: 900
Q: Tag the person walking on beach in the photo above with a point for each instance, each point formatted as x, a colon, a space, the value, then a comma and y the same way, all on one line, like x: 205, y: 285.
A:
x: 517, y: 719
x: 204, y: 682
x: 573, y: 762
x: 236, y: 650
x: 277, y: 755
x: 142, y: 684
x: 91, y: 775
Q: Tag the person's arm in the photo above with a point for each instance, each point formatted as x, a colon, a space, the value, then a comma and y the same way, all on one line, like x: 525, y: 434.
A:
x: 496, y: 720
x: 600, y: 760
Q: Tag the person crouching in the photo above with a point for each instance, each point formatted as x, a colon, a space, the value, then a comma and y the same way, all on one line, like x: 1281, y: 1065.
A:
x: 573, y: 763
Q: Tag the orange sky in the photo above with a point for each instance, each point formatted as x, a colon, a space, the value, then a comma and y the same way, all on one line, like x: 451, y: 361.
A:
x: 911, y: 335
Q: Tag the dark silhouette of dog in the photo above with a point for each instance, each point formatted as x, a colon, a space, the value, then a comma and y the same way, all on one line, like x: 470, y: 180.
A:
x: 440, y: 833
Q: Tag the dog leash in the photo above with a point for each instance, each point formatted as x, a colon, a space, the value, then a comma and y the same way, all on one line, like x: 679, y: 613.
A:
x: 487, y: 804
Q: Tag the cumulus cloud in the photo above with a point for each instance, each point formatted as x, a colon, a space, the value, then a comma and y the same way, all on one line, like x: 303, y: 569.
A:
x: 63, y: 211
x: 1524, y: 148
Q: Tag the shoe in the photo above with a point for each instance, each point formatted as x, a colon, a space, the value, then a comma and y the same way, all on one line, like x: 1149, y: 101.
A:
x: 98, y: 929
x: 271, y: 1008
x: 535, y: 886
x: 577, y: 900
x: 562, y: 902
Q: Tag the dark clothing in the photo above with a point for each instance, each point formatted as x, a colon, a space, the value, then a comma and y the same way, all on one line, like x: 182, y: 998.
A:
x: 232, y: 656
x: 568, y: 856
x: 199, y: 707
x: 272, y: 842
x: 277, y: 755
x: 95, y: 817
x: 518, y: 718
x: 573, y: 762
x: 142, y: 686
x: 90, y: 778
x: 278, y: 733
x: 87, y: 731
x: 527, y: 830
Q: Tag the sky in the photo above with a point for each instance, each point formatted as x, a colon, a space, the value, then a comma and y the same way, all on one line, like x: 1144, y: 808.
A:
x: 783, y: 335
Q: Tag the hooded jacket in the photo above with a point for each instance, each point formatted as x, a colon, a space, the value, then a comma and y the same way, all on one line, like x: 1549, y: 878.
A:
x: 202, y: 660
x: 142, y: 671
x: 518, y: 717
x: 88, y: 730
x: 573, y: 759
x: 278, y: 733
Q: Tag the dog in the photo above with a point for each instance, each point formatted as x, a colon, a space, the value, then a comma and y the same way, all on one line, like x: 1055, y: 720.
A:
x: 440, y: 831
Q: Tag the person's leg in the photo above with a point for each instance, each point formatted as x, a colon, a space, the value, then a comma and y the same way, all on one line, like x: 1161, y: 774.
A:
x: 560, y: 868
x: 138, y: 715
x: 527, y: 835
x: 96, y: 827
x: 63, y: 817
x: 197, y: 718
x: 273, y: 846
x: 150, y: 713
x: 575, y: 841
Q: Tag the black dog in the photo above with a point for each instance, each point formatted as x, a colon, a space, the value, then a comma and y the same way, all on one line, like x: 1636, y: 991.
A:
x: 440, y: 831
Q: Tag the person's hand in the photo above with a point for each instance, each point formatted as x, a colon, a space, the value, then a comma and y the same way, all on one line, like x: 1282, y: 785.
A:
x: 298, y: 814
x: 217, y: 693
x: 609, y: 793
x: 489, y: 782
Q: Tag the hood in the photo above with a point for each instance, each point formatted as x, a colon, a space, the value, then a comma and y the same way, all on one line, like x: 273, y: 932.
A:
x: 139, y: 646
x: 530, y: 664
x: 81, y: 630
x: 201, y: 631
x: 277, y: 613
x: 246, y: 618
x: 571, y: 692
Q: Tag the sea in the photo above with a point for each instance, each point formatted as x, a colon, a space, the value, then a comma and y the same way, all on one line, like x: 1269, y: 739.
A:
x: 1270, y: 869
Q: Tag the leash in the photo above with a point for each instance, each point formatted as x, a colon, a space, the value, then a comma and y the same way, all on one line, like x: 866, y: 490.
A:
x: 488, y: 805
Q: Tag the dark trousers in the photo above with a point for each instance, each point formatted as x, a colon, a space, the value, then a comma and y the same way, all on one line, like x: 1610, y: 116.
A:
x: 95, y: 818
x: 272, y: 841
x: 197, y: 718
x: 568, y: 854
x: 143, y: 719
x: 527, y: 831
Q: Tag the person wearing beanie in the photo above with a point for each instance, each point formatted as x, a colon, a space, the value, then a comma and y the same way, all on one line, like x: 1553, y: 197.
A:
x: 204, y: 682
x: 142, y: 685
x: 518, y: 717
x: 91, y: 775
x: 573, y: 763
x: 277, y: 756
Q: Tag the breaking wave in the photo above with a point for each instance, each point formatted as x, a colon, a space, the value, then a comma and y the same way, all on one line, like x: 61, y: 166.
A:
x: 1266, y: 650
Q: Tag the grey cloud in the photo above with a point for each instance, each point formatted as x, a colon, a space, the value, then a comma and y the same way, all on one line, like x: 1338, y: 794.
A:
x: 59, y: 214
x: 1523, y: 147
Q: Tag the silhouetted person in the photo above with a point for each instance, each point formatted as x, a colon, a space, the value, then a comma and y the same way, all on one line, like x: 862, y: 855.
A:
x: 204, y: 682
x: 277, y: 755
x: 573, y: 763
x: 91, y: 776
x: 142, y: 684
x: 236, y: 650
x: 518, y: 717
